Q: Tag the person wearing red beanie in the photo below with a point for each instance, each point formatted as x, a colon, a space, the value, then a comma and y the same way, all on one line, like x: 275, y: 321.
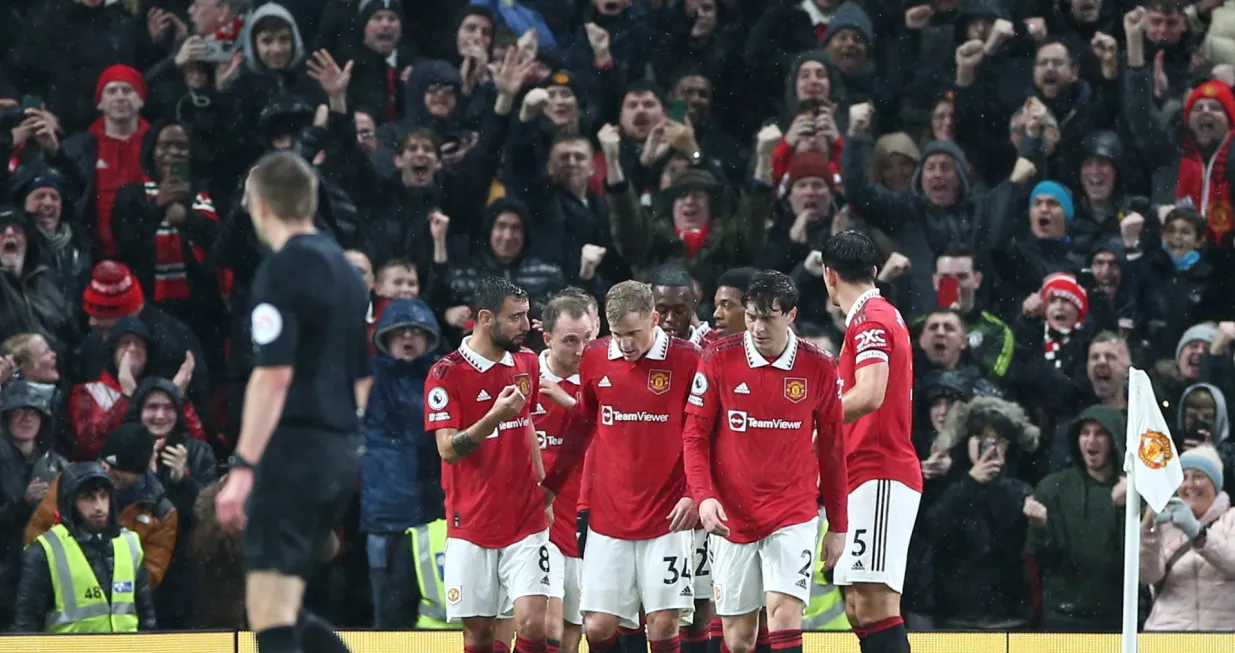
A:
x: 108, y: 154
x: 1209, y: 113
x: 809, y: 187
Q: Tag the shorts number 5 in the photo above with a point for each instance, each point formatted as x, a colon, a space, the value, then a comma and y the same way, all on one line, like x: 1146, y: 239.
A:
x: 859, y: 545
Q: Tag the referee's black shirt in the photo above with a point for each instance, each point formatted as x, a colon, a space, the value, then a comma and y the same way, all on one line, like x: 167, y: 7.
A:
x: 309, y: 308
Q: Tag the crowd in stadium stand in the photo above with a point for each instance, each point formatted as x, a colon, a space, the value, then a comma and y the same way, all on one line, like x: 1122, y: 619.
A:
x: 1051, y: 185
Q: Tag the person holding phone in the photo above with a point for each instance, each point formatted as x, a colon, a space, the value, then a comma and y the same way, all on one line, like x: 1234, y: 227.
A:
x: 163, y: 228
x: 978, y: 527
x: 958, y: 278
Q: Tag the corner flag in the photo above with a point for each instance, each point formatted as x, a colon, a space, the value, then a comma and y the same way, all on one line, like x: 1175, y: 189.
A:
x: 1151, y: 455
x: 1153, y: 468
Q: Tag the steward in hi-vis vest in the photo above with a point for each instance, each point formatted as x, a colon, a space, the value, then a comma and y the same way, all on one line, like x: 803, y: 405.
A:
x: 428, y: 553
x: 85, y: 575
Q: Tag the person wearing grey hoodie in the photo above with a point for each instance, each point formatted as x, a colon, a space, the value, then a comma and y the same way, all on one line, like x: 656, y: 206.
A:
x: 274, y: 66
x: 1076, y: 520
x: 1202, y: 418
x: 937, y: 209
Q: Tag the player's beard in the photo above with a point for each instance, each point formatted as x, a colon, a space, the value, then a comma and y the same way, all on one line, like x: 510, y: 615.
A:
x: 512, y: 344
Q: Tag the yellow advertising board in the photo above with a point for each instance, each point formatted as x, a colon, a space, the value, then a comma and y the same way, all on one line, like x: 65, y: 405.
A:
x: 451, y: 642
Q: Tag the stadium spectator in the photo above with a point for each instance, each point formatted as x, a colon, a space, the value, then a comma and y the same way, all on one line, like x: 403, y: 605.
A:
x: 32, y: 299
x: 978, y: 527
x: 1187, y: 551
x: 27, y: 465
x: 400, y: 476
x: 1076, y: 527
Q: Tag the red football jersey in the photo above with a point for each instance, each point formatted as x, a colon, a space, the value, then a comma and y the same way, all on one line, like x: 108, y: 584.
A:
x: 550, y: 422
x: 492, y: 496
x: 879, y: 444
x: 634, y: 413
x: 749, y: 439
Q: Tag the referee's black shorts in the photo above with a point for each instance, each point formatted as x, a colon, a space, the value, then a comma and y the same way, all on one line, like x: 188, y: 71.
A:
x: 300, y: 493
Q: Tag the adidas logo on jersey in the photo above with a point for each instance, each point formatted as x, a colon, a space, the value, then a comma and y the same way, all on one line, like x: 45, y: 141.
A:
x: 741, y: 389
x: 483, y: 396
x: 604, y: 382
x: 801, y: 583
x: 858, y: 566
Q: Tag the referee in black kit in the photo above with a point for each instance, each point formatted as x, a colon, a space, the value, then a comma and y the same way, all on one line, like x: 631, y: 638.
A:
x: 296, y: 463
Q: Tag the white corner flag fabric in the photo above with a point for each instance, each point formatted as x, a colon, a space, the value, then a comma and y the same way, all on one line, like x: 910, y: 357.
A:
x: 1152, y: 459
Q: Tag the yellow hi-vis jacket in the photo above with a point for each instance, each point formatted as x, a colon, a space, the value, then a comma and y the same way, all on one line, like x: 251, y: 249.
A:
x: 826, y: 610
x: 429, y: 552
x: 81, y: 604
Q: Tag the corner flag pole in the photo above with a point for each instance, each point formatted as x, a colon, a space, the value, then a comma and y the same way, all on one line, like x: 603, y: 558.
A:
x: 1152, y: 465
x: 1132, y: 563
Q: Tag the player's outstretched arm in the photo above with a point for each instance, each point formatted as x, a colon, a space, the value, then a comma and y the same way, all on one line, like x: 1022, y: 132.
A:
x: 577, y: 437
x: 866, y: 396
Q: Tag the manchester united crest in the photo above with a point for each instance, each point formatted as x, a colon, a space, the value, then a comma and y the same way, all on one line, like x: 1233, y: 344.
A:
x: 659, y: 380
x: 523, y: 383
x: 453, y: 595
x: 795, y: 389
x: 1154, y: 450
x: 1220, y: 217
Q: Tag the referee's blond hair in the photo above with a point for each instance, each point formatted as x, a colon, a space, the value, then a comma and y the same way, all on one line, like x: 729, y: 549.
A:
x: 286, y: 184
x: 628, y: 297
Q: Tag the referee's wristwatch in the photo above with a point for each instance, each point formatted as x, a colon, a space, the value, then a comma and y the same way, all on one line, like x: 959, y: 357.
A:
x: 236, y: 461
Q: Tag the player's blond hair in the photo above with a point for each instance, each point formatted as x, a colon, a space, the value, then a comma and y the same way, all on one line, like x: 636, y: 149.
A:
x: 628, y: 297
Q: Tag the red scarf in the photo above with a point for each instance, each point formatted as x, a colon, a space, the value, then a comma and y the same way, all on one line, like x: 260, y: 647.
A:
x: 1055, y: 340
x: 170, y: 272
x: 1213, y: 202
x: 695, y: 237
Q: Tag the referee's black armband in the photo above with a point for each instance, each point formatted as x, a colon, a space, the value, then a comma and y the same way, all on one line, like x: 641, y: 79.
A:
x: 463, y: 444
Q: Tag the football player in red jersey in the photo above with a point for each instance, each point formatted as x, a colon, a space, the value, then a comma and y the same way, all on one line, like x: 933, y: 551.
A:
x: 729, y: 317
x: 756, y: 468
x: 632, y: 399
x: 885, y: 477
x: 677, y: 305
x: 478, y: 401
x: 674, y: 293
x: 567, y: 330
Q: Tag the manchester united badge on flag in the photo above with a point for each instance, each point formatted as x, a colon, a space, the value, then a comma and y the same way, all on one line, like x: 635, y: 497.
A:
x: 658, y: 381
x: 795, y: 389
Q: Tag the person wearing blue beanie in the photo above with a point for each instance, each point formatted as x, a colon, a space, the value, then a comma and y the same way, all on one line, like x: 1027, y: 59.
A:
x: 1206, y: 461
x: 1057, y: 191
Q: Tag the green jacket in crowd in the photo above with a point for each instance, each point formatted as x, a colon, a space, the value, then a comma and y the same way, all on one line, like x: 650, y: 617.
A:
x: 1080, y: 548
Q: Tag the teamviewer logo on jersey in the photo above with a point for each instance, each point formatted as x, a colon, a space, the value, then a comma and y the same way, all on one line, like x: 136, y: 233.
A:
x: 609, y: 416
x: 737, y: 421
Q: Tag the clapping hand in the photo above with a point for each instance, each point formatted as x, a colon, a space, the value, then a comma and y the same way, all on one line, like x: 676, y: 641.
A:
x: 1180, y: 514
